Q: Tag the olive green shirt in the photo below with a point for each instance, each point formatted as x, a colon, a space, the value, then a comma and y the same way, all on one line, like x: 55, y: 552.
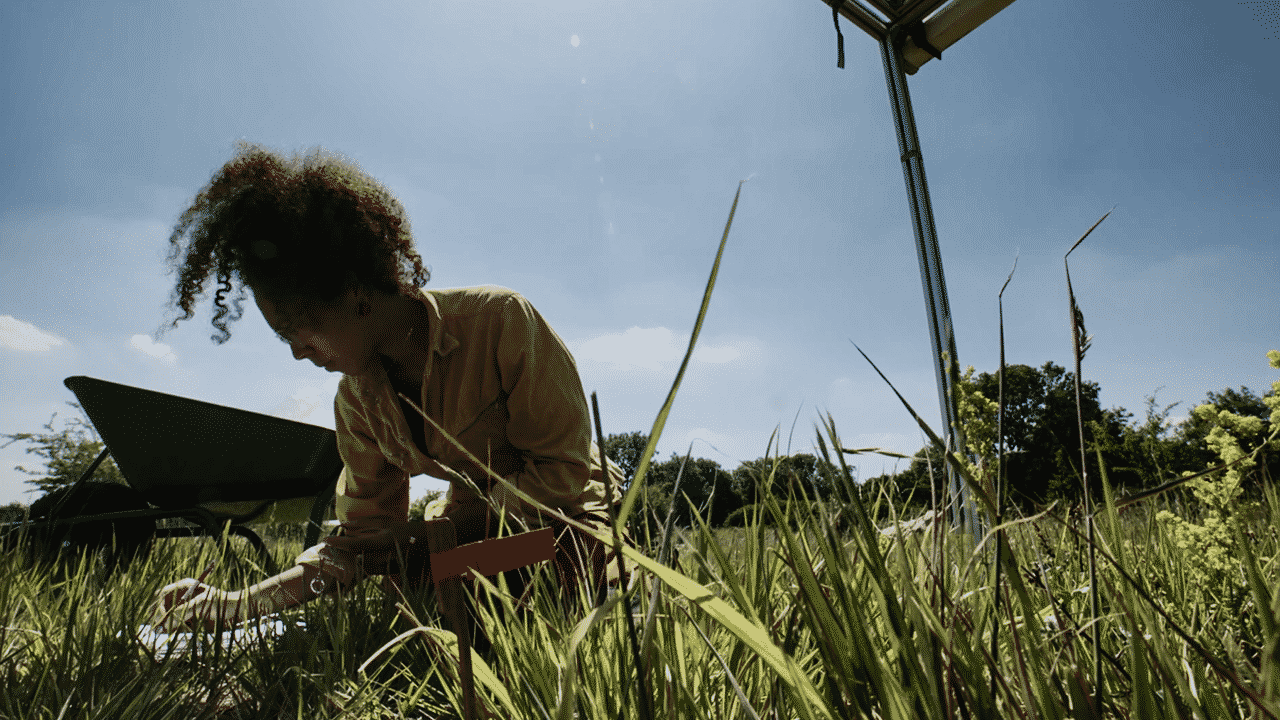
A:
x: 500, y: 381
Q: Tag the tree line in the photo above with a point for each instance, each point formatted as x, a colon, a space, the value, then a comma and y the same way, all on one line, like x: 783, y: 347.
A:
x: 1042, y: 441
x: 1041, y: 453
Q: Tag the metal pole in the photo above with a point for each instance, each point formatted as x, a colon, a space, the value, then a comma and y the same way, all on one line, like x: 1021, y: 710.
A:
x: 941, y: 334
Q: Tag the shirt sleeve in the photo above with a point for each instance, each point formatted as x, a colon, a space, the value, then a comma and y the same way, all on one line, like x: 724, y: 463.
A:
x: 548, y: 418
x: 371, y: 491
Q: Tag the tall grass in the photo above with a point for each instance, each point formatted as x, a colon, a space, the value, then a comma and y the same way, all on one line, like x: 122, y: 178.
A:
x: 810, y: 610
x: 855, y: 609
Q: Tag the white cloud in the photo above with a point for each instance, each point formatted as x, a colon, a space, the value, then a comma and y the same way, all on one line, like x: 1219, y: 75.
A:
x: 18, y: 335
x: 145, y: 345
x: 716, y: 354
x: 574, y: 41
x: 638, y: 347
x: 649, y: 349
x: 310, y: 403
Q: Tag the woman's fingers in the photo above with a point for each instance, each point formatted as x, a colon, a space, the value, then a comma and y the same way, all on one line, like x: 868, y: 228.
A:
x: 176, y: 594
x: 184, y: 604
x: 181, y: 591
x: 199, y: 613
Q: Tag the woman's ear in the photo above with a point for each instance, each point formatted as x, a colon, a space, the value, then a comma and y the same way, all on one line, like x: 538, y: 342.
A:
x: 358, y: 297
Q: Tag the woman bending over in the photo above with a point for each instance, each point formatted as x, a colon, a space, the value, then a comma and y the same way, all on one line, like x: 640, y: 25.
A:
x: 327, y: 255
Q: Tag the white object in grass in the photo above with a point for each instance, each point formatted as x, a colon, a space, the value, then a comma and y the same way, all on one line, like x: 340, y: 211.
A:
x: 162, y: 645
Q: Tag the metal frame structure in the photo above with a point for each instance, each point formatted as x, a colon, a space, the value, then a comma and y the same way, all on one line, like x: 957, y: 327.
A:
x: 910, y: 32
x: 930, y: 28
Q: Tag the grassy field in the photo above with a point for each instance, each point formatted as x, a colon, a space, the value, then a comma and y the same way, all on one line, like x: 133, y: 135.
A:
x: 861, y: 624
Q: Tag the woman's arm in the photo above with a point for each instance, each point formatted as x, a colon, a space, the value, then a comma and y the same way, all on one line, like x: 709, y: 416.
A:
x: 548, y: 417
x: 397, y: 548
x: 190, y: 603
x: 295, y: 586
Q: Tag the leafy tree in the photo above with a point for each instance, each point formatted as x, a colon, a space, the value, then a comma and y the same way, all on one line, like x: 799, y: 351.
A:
x: 66, y: 453
x: 1041, y: 431
x: 417, y: 508
x: 13, y: 512
x: 625, y: 449
x: 1041, y: 438
x: 702, y: 481
x: 1150, y: 449
x: 793, y: 473
x: 909, y: 490
x: 704, y: 486
x: 1155, y: 450
x: 709, y: 489
x: 1210, y: 543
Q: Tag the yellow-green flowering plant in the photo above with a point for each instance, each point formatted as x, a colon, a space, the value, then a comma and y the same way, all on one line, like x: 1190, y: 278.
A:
x: 978, y: 417
x: 1210, y: 544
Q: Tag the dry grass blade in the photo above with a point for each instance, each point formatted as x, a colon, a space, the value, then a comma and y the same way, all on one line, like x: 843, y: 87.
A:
x: 1079, y: 344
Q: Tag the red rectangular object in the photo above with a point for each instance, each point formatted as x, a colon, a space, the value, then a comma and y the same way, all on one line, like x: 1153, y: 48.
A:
x: 493, y: 556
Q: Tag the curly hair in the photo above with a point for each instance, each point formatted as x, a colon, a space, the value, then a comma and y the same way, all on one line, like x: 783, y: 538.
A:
x: 302, y: 228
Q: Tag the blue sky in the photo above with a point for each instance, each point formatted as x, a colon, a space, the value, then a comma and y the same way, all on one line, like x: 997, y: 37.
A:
x: 586, y: 153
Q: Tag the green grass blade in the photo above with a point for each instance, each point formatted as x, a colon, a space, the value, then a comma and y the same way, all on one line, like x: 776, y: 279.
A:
x: 1264, y: 608
x: 808, y: 699
x: 733, y: 680
x: 952, y: 457
x: 569, y: 701
x: 658, y: 424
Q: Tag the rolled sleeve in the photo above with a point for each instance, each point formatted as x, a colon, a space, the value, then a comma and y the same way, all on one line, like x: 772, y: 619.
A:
x: 549, y: 421
x: 371, y: 490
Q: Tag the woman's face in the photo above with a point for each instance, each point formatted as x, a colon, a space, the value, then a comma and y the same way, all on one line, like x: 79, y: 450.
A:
x: 332, y: 336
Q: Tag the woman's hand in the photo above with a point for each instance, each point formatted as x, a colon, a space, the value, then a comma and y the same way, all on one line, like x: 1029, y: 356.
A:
x: 190, y: 604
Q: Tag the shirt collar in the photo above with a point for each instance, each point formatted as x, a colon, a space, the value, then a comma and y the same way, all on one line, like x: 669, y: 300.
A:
x: 439, y: 342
